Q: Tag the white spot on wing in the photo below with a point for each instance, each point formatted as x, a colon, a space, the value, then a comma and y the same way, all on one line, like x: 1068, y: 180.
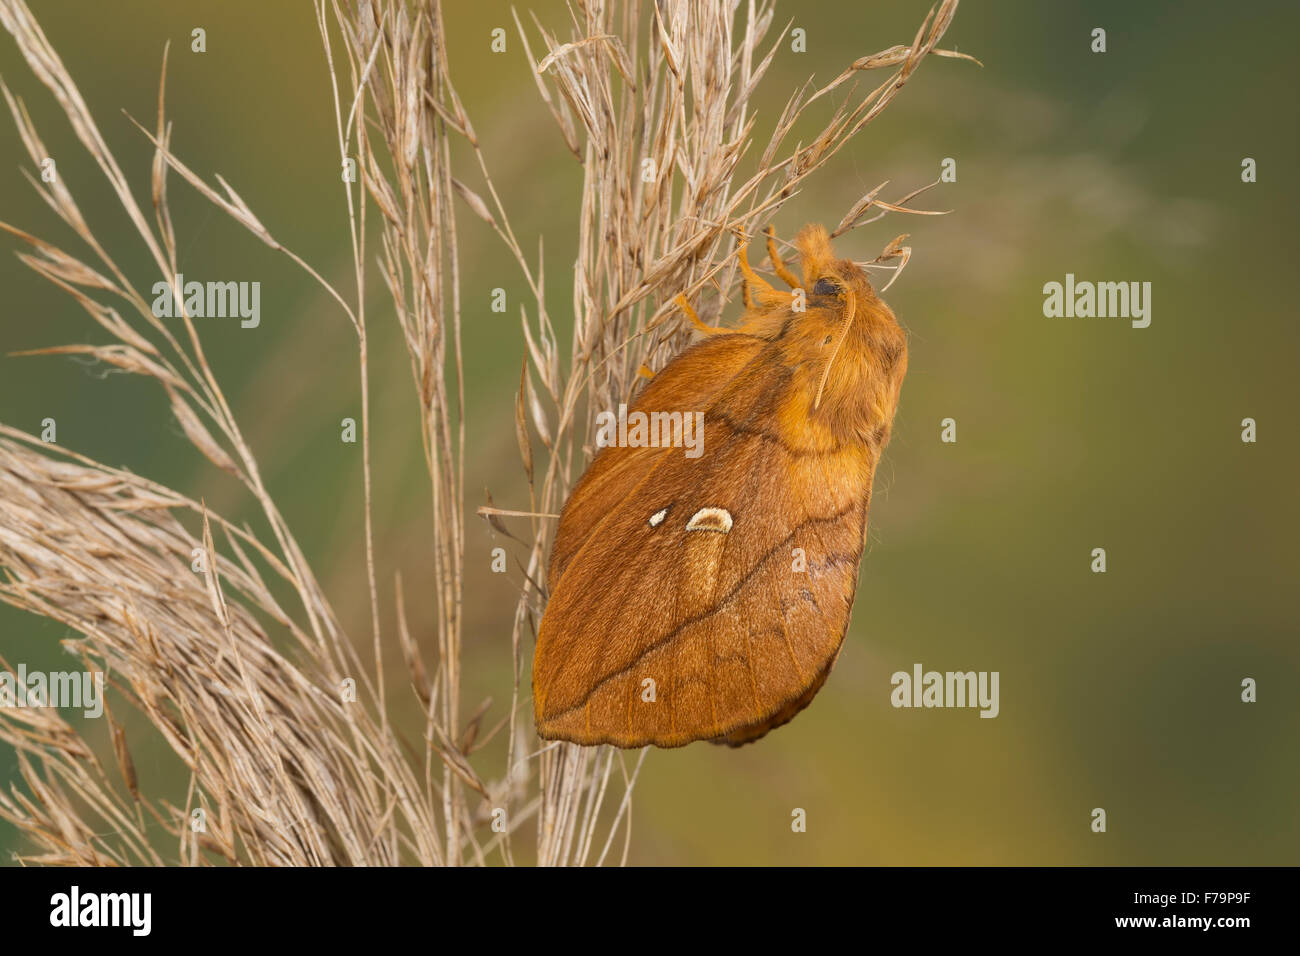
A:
x: 710, y: 519
x: 657, y: 518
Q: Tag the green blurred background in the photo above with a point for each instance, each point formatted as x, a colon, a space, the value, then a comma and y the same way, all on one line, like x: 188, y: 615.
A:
x: 1119, y: 690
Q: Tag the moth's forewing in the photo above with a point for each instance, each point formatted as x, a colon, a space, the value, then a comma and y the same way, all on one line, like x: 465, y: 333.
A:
x: 692, y: 382
x: 735, y: 629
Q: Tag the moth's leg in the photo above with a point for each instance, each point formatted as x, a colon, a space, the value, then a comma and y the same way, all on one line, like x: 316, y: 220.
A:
x: 755, y: 289
x: 751, y: 277
x: 788, y: 277
x: 685, y: 306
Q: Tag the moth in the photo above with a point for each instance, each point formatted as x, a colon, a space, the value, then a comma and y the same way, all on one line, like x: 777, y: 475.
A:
x: 707, y: 598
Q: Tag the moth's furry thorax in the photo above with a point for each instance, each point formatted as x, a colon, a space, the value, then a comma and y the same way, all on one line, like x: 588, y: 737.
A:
x: 847, y: 345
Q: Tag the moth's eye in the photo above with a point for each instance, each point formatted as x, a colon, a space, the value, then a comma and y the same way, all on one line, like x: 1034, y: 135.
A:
x: 826, y: 341
x: 826, y: 287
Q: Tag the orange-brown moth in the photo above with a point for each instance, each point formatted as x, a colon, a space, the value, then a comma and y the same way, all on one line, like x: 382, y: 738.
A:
x: 678, y: 611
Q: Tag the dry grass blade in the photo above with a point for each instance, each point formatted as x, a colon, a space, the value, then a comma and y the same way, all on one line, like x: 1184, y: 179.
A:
x: 108, y: 555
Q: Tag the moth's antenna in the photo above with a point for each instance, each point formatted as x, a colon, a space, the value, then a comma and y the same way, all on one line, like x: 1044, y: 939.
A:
x: 848, y: 321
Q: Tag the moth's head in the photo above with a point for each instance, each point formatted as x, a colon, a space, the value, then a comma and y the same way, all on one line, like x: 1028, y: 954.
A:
x: 821, y: 265
x: 847, y: 333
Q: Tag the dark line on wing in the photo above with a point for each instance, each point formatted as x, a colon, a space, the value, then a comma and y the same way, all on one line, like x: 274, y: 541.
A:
x: 767, y: 436
x: 717, y: 607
